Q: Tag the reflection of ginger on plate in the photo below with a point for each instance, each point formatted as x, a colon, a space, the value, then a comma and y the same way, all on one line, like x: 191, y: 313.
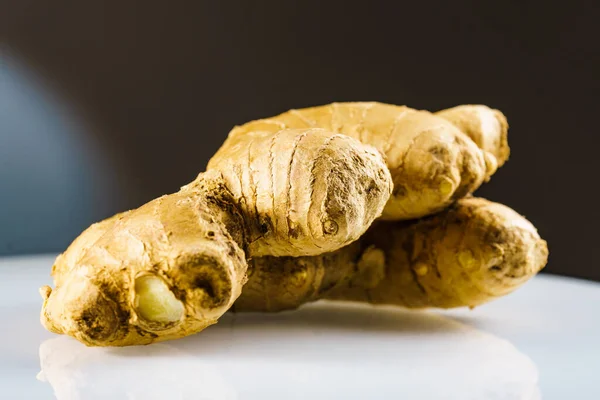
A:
x: 76, y: 372
x: 322, y: 351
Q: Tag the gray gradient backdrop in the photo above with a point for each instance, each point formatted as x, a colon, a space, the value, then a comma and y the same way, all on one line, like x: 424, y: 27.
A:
x: 106, y: 105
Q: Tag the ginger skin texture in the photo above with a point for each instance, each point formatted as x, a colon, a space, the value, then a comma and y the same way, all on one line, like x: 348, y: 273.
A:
x: 186, y: 243
x: 306, y: 191
x: 173, y: 266
x: 434, y: 159
x: 466, y: 255
x: 301, y: 188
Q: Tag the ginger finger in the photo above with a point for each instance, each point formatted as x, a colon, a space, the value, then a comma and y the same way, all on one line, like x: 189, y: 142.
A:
x: 486, y: 127
x: 303, y: 192
x: 467, y: 255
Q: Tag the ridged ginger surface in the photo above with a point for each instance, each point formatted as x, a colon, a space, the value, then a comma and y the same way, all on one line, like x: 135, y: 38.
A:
x: 287, y: 201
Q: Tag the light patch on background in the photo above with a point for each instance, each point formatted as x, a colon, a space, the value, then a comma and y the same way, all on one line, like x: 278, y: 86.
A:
x: 52, y: 175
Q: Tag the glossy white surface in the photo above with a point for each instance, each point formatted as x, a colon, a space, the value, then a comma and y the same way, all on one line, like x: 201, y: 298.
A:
x: 550, y: 328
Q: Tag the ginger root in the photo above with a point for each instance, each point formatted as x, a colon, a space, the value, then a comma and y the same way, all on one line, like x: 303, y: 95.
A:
x: 466, y: 255
x: 164, y: 270
x: 431, y: 158
x: 303, y: 191
x: 173, y: 266
x: 288, y: 197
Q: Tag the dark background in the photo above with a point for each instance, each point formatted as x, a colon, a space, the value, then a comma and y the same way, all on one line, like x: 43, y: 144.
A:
x: 147, y: 91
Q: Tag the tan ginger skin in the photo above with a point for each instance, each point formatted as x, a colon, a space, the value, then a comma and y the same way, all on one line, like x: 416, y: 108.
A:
x: 430, y: 157
x: 175, y: 265
x: 469, y: 254
x: 296, y: 185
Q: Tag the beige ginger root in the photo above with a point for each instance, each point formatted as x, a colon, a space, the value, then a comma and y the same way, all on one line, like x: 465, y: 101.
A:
x: 312, y: 191
x: 301, y: 184
x: 430, y: 156
x: 467, y: 255
x: 111, y: 282
x: 175, y: 265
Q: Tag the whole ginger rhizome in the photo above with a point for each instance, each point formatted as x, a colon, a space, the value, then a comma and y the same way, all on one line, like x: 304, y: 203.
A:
x: 349, y: 201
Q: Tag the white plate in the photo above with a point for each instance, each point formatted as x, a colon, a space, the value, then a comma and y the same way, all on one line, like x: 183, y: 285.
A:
x: 542, y: 339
